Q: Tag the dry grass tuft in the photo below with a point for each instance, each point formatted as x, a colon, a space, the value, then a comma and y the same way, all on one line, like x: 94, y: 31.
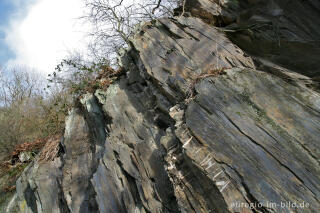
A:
x: 211, y: 72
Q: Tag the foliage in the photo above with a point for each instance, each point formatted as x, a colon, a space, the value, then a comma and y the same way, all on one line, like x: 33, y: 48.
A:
x: 78, y: 76
x: 26, y: 111
x: 113, y: 23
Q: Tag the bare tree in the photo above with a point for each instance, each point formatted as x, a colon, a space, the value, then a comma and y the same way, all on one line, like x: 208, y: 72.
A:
x: 19, y: 84
x: 114, y: 21
x: 27, y: 112
x: 21, y: 89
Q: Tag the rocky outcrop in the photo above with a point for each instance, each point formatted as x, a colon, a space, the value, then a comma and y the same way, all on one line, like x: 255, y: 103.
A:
x: 192, y: 126
x: 282, y: 36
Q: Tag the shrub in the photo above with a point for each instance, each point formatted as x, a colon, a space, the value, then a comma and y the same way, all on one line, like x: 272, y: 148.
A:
x: 26, y: 111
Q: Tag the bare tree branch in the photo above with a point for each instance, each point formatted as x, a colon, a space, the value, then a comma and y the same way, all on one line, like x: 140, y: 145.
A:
x: 114, y: 21
x: 158, y: 5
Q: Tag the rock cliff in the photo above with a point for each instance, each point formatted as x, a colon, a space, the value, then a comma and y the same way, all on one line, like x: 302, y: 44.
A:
x: 218, y: 111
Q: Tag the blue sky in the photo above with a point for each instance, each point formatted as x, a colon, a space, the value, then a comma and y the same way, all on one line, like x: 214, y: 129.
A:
x: 40, y: 33
x: 7, y: 8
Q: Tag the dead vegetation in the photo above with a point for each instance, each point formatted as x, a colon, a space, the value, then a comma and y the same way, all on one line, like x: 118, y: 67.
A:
x: 213, y: 71
x: 50, y: 150
x: 9, y: 174
x: 33, y: 147
x: 11, y: 168
x: 105, y: 78
x: 28, y: 112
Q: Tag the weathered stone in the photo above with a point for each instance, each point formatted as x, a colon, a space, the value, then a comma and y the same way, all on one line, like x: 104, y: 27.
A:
x: 192, y: 126
x: 284, y: 32
x: 25, y: 157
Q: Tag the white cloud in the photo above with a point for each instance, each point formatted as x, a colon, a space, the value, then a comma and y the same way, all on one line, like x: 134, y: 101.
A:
x: 47, y: 32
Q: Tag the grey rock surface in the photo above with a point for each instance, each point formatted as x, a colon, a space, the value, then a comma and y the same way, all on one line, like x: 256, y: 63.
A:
x: 192, y: 126
x: 285, y: 33
x: 25, y: 157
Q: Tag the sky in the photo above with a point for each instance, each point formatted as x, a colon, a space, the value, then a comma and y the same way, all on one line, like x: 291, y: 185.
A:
x: 40, y: 33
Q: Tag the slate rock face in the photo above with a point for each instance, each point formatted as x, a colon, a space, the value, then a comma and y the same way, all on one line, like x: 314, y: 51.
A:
x: 192, y: 126
x: 280, y: 32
